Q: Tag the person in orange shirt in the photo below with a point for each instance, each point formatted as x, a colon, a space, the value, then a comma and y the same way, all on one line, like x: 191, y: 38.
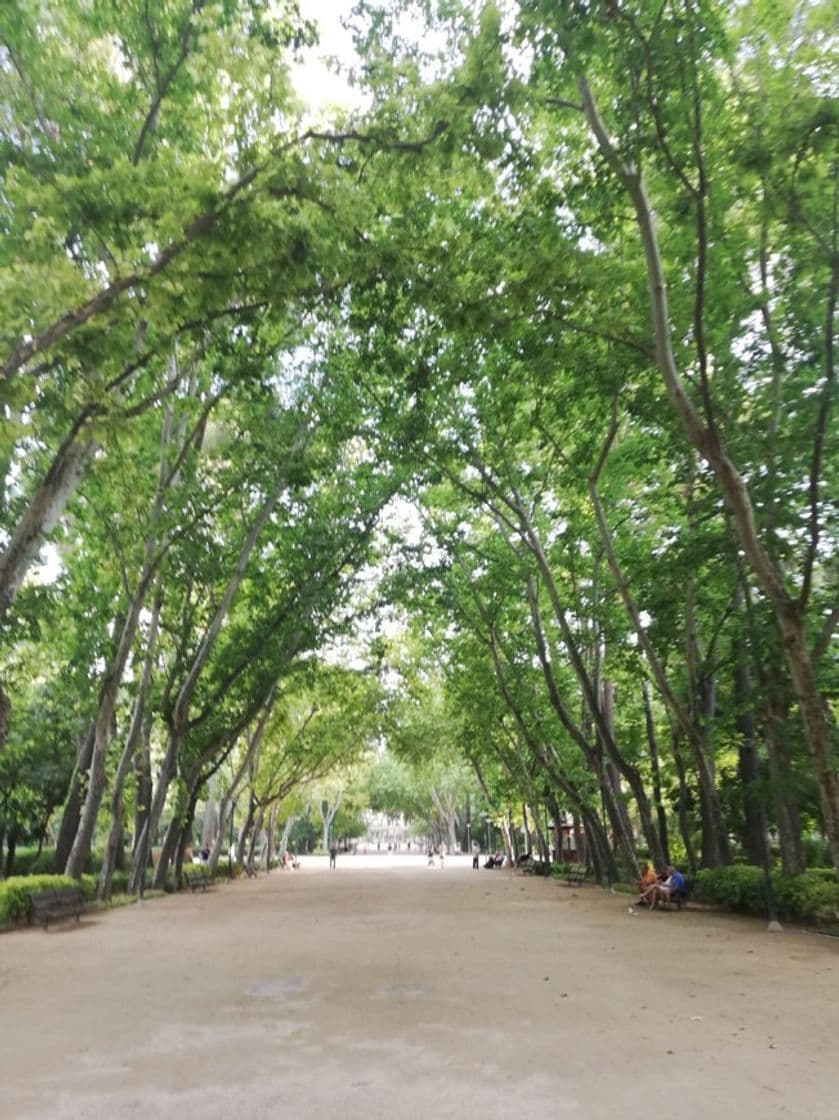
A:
x: 646, y: 884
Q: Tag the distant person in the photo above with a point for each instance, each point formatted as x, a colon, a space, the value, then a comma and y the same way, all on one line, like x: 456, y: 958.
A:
x: 333, y: 854
x: 442, y: 852
x: 430, y: 856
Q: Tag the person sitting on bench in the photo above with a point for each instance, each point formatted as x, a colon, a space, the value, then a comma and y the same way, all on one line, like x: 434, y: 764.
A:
x: 646, y: 884
x: 674, y: 884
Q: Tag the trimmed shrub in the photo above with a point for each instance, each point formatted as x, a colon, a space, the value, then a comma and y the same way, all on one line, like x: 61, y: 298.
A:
x: 737, y: 887
x: 29, y: 862
x: 15, y: 907
x: 812, y: 896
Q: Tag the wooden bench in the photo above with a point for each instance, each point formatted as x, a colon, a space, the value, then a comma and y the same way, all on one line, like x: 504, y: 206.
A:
x: 197, y: 880
x: 53, y: 905
x: 530, y: 866
x: 576, y: 876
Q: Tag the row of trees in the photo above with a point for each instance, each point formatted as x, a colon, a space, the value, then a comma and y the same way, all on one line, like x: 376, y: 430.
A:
x: 623, y: 404
x: 567, y: 285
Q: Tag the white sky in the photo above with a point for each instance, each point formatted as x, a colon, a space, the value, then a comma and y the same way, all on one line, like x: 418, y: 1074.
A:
x: 315, y: 82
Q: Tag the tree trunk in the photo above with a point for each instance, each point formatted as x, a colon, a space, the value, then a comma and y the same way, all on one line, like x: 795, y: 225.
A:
x: 224, y: 817
x: 42, y: 514
x: 289, y: 824
x: 683, y: 813
x: 621, y: 830
x: 755, y: 840
x: 655, y: 767
x: 787, y: 816
x: 702, y: 709
x: 103, y: 724
x: 140, y: 852
x: 246, y: 828
x: 789, y: 612
x: 73, y: 804
x: 209, y: 825
x: 180, y: 711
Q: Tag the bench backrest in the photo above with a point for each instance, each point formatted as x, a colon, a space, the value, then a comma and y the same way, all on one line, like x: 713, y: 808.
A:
x: 56, y: 901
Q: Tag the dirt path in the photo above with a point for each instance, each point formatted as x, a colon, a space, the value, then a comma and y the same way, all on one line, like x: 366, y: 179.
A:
x: 409, y: 993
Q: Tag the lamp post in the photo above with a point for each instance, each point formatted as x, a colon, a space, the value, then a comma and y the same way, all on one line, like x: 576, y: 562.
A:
x: 468, y: 836
x: 488, y: 835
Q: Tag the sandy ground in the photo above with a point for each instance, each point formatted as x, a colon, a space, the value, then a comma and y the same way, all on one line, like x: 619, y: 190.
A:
x: 384, y: 989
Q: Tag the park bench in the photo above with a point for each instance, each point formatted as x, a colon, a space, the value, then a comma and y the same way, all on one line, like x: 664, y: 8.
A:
x: 576, y: 876
x: 530, y: 866
x: 250, y: 871
x: 52, y: 905
x: 197, y: 880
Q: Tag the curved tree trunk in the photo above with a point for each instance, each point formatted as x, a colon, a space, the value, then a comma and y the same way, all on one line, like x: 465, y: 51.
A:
x: 655, y: 767
x: 132, y: 743
x: 715, y: 843
x: 789, y: 612
x: 73, y: 804
x: 682, y: 812
x: 42, y: 513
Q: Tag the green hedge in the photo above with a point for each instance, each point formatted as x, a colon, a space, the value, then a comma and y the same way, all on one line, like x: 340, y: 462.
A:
x: 15, y: 907
x: 28, y: 861
x: 812, y: 896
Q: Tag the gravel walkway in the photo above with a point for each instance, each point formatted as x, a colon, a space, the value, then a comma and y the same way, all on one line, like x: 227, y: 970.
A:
x: 385, y: 989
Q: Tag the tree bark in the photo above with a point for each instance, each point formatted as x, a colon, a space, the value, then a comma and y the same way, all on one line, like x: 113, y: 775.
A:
x: 180, y: 712
x: 789, y: 613
x: 715, y: 844
x: 715, y: 851
x: 41, y: 515
x: 129, y: 753
x: 755, y: 839
x: 682, y: 810
x: 655, y: 767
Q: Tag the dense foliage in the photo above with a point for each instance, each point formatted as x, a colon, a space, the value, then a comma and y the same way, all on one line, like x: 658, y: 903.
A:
x: 493, y: 421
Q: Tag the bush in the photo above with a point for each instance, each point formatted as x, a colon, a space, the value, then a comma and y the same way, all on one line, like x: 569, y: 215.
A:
x: 820, y: 903
x: 15, y: 907
x: 737, y: 887
x: 24, y: 859
x: 812, y: 896
x: 28, y: 861
x: 816, y: 852
x: 44, y: 864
